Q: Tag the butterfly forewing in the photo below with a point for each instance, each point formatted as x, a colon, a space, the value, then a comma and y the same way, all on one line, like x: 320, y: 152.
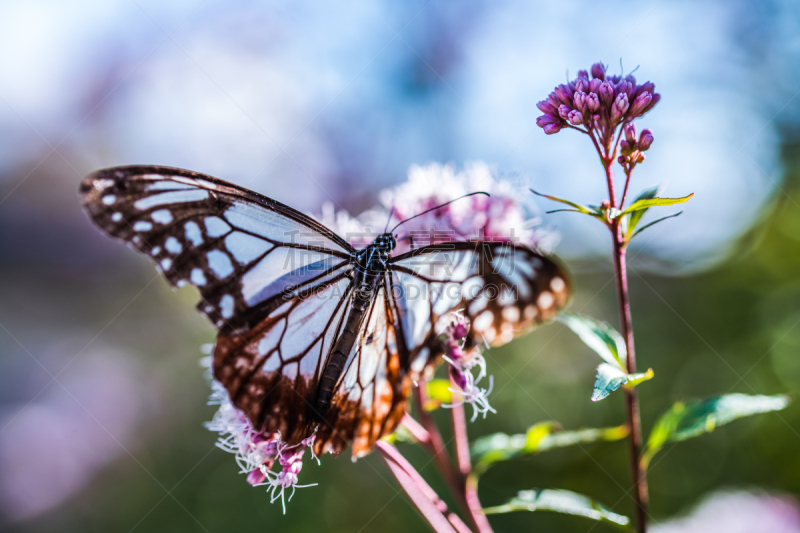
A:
x: 242, y: 251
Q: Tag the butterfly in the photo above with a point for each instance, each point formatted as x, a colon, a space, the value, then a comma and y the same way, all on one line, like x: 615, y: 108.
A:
x: 314, y: 334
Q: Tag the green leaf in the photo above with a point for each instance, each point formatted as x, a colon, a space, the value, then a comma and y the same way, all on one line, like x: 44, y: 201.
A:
x: 577, y: 207
x: 610, y: 378
x: 647, y: 203
x: 540, y: 437
x: 598, y: 336
x: 634, y: 218
x: 690, y: 419
x: 561, y: 501
x: 438, y: 393
x: 637, y: 232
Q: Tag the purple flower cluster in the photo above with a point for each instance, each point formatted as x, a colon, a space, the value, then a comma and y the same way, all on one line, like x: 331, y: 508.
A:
x: 257, y: 452
x: 598, y: 104
x: 461, y: 365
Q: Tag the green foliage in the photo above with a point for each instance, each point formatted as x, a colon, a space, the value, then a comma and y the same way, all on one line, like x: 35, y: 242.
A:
x: 577, y: 208
x: 690, y: 419
x: 609, y: 378
x: 561, y: 501
x: 647, y: 199
x: 540, y: 437
x: 610, y: 346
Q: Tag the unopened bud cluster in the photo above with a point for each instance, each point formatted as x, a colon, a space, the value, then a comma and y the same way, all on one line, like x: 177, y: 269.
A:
x: 631, y: 148
x: 598, y: 104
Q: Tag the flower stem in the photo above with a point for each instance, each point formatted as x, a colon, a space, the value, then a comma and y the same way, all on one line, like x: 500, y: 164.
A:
x: 432, y: 508
x: 469, y: 482
x: 631, y: 398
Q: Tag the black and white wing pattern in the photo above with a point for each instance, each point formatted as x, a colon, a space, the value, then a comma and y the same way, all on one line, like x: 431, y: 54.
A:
x: 279, y: 288
x: 243, y: 251
x: 504, y: 290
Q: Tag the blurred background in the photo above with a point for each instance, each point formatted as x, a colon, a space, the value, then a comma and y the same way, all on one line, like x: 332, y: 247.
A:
x: 102, y: 399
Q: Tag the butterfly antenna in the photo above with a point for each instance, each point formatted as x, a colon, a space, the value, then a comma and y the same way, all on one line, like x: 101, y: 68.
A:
x: 390, y: 214
x: 439, y: 207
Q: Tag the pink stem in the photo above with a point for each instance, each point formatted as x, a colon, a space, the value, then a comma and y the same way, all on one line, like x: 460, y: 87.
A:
x: 432, y: 508
x: 465, y: 466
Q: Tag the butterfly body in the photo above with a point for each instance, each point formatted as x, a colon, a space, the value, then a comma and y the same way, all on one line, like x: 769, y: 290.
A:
x: 315, y: 335
x: 371, y: 266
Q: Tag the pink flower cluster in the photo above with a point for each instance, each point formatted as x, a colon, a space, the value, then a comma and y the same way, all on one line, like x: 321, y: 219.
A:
x: 257, y: 452
x: 461, y: 366
x: 598, y: 104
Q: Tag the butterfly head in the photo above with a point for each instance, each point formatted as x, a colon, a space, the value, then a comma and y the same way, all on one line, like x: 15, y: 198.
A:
x: 386, y: 241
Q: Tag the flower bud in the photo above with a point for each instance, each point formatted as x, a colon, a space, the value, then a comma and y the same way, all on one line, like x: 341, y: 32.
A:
x: 575, y: 117
x: 646, y: 86
x: 592, y: 102
x: 623, y: 159
x: 653, y: 102
x: 583, y: 74
x: 563, y: 93
x: 563, y: 111
x: 645, y: 140
x: 625, y: 147
x: 631, y: 80
x: 579, y: 100
x: 640, y: 158
x: 582, y: 85
x: 594, y: 85
x: 620, y: 107
x: 640, y: 104
x: 599, y: 71
x: 546, y: 107
x: 630, y: 132
x: 546, y: 119
x: 550, y: 129
x: 606, y: 92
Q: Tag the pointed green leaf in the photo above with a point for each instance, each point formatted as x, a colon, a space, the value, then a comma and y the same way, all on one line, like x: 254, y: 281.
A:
x: 598, y: 336
x: 540, y: 437
x: 633, y: 218
x: 561, y: 501
x: 610, y: 378
x: 690, y: 419
x: 638, y: 231
x: 595, y: 212
x: 646, y: 203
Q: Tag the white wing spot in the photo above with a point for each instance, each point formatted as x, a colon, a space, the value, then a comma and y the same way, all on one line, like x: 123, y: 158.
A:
x: 103, y: 184
x: 557, y: 284
x: 220, y: 263
x: 166, y: 264
x: 226, y: 306
x: 511, y: 313
x: 193, y: 233
x: 197, y: 277
x: 216, y: 227
x: 162, y: 216
x: 483, y: 321
x: 116, y: 217
x: 167, y: 185
x: 142, y: 225
x: 174, y: 197
x: 155, y: 251
x: 173, y: 245
x: 545, y: 300
x: 109, y: 199
x: 530, y: 312
x: 136, y: 239
x: 181, y: 283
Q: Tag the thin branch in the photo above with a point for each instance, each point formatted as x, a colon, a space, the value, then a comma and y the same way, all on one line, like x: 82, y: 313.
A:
x: 432, y: 508
x: 465, y: 466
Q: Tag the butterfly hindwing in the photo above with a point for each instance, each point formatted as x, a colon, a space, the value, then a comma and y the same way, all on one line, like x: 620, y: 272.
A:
x: 502, y: 288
